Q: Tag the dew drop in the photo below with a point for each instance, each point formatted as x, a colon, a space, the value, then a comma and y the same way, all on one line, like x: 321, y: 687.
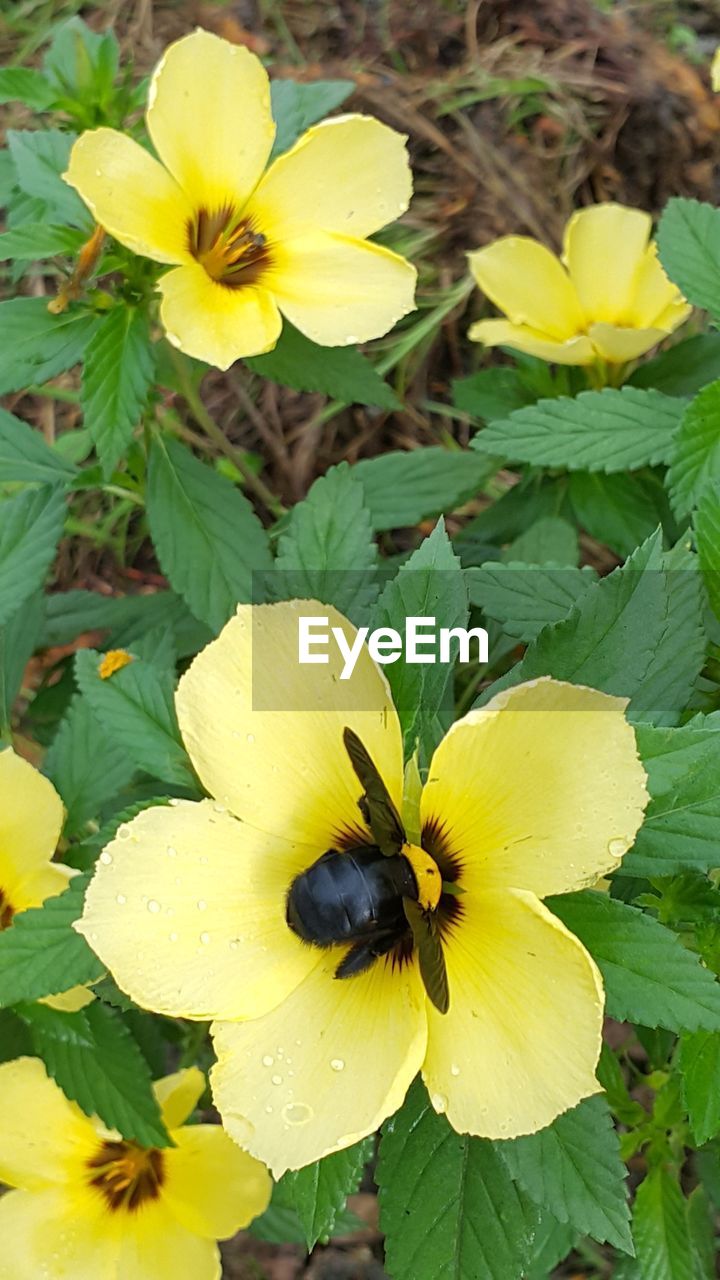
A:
x: 268, y: 1110
x: 454, y: 1069
x: 276, y: 1079
x: 204, y: 938
x: 268, y: 1060
x: 121, y: 899
x: 123, y: 833
x: 297, y: 1112
x: 219, y: 808
x: 172, y: 937
x: 616, y: 848
x: 439, y: 1101
x: 251, y: 738
x: 202, y: 905
x: 337, y: 1064
x: 106, y: 858
x: 171, y: 852
x: 153, y: 907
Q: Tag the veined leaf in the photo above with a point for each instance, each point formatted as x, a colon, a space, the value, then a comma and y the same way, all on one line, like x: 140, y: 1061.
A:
x: 117, y: 376
x: 688, y: 241
x: 340, y: 372
x: 41, y: 954
x: 30, y: 526
x: 296, y: 105
x: 696, y: 457
x: 699, y: 1064
x: 405, y: 488
x: 41, y: 156
x: 24, y: 84
x: 681, y: 821
x: 526, y: 597
x: 319, y: 1192
x: 35, y: 345
x: 37, y: 240
x: 87, y: 766
x: 707, y: 533
x: 660, y: 1229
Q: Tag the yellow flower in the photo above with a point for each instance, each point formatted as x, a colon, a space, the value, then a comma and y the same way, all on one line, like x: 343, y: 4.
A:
x: 540, y: 792
x: 31, y: 819
x: 715, y: 71
x: 90, y: 1204
x: 608, y: 299
x: 247, y: 244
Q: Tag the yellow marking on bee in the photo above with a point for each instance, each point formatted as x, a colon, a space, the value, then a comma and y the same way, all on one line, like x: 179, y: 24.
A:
x: 114, y: 660
x: 427, y: 876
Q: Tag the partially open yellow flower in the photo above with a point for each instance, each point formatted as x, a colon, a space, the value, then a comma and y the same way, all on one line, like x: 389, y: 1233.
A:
x: 31, y: 819
x: 608, y: 299
x: 90, y: 1205
x: 539, y: 792
x: 247, y: 244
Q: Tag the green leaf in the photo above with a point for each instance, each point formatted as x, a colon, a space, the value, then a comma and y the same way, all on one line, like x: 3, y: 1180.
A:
x: 117, y: 377
x: 660, y: 1228
x: 97, y: 1063
x: 552, y: 1243
x: 19, y: 637
x: 31, y: 523
x: 574, y: 1169
x: 319, y: 1191
x: 650, y: 978
x: 491, y: 393
x: 681, y: 821
x: 618, y: 510
x: 295, y: 106
x: 707, y: 533
x: 696, y: 459
x: 36, y: 345
x: 688, y: 241
x: 87, y: 766
x: 404, y: 488
x: 699, y: 1063
x: 636, y: 633
x: 683, y: 369
x: 549, y: 540
x: 42, y: 955
x: 430, y: 584
x: 127, y: 618
x: 701, y: 1225
x: 605, y: 431
x: 22, y: 84
x: 281, y: 1224
x: 525, y: 598
x: 327, y: 551
x: 82, y: 62
x: 38, y: 240
x: 25, y: 456
x: 136, y: 707
x: 207, y: 537
x: 340, y: 372
x: 448, y: 1206
x: 41, y: 156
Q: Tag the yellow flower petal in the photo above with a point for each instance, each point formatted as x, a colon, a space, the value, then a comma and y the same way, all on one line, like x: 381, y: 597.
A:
x: 715, y: 71
x: 521, y: 1040
x: 70, y: 1001
x: 179, y: 1094
x: 325, y: 1068
x: 189, y: 915
x: 604, y: 249
x: 338, y: 290
x: 212, y: 1187
x: 42, y: 1134
x: 619, y: 345
x: 542, y: 789
x: 214, y: 323
x: 31, y: 889
x: 350, y: 174
x: 210, y: 120
x: 30, y: 825
x: 265, y: 732
x: 501, y: 333
x: 131, y: 195
x: 655, y: 295
x: 528, y: 283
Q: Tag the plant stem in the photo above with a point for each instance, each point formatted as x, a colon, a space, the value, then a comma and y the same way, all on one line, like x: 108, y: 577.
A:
x: 215, y: 433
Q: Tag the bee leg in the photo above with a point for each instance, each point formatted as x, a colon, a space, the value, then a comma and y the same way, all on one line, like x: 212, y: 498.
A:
x: 363, y: 954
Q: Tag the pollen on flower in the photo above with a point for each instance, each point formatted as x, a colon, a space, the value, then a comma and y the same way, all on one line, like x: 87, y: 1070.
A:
x: 127, y: 1175
x: 114, y: 660
x: 233, y: 251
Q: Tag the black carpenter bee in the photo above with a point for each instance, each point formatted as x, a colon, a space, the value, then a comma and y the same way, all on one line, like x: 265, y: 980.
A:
x: 373, y: 896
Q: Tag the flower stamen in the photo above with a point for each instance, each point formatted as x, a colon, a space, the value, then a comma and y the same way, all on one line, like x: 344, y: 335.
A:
x: 126, y: 1174
x: 7, y: 911
x: 230, y: 248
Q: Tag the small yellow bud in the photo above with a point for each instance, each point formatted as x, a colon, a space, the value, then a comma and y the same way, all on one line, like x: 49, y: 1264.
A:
x: 114, y: 660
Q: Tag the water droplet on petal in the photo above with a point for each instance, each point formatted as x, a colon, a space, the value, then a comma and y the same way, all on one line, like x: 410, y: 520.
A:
x: 251, y: 738
x: 106, y: 858
x: 173, y: 937
x: 153, y: 907
x: 123, y: 833
x: 202, y: 905
x: 276, y: 1079
x: 204, y: 938
x: 297, y: 1113
x: 121, y: 899
x: 268, y: 1060
x: 454, y: 1069
x: 171, y: 852
x: 337, y: 1064
x: 616, y: 848
x: 439, y: 1101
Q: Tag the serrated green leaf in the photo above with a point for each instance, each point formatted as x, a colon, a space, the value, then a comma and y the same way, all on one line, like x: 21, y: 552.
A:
x: 97, y: 1063
x: 281, y: 1224
x: 86, y: 765
x: 296, y: 105
x: 319, y: 1191
x: 650, y: 977
x: 126, y: 618
x: 606, y: 431
x: 19, y: 637
x: 553, y: 1242
x: 430, y: 584
x: 340, y: 372
x: 701, y: 1227
x: 25, y: 456
x: 82, y: 62
x: 327, y: 551
x: 681, y: 821
x: 574, y: 1168
x: 23, y: 84
x: 136, y: 707
x: 525, y: 597
x: 699, y: 1064
x: 688, y: 240
x: 42, y: 955
x: 618, y: 510
x: 707, y: 533
x: 448, y: 1206
x: 207, y: 537
x: 35, y: 345
x: 35, y: 241
x: 549, y: 540
x: 117, y: 376
x: 660, y: 1229
x: 404, y: 488
x: 683, y: 369
x: 696, y: 455
x: 492, y: 393
x: 41, y: 156
x: 31, y: 523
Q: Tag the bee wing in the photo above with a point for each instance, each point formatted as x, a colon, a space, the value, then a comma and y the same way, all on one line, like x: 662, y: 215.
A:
x: 376, y: 806
x: 430, y: 954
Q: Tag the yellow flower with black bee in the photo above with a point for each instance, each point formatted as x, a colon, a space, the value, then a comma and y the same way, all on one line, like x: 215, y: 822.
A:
x: 607, y: 299
x: 342, y: 938
x: 88, y: 1203
x: 249, y: 243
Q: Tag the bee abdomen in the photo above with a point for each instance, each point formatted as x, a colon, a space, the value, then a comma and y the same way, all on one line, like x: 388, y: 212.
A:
x: 346, y: 896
